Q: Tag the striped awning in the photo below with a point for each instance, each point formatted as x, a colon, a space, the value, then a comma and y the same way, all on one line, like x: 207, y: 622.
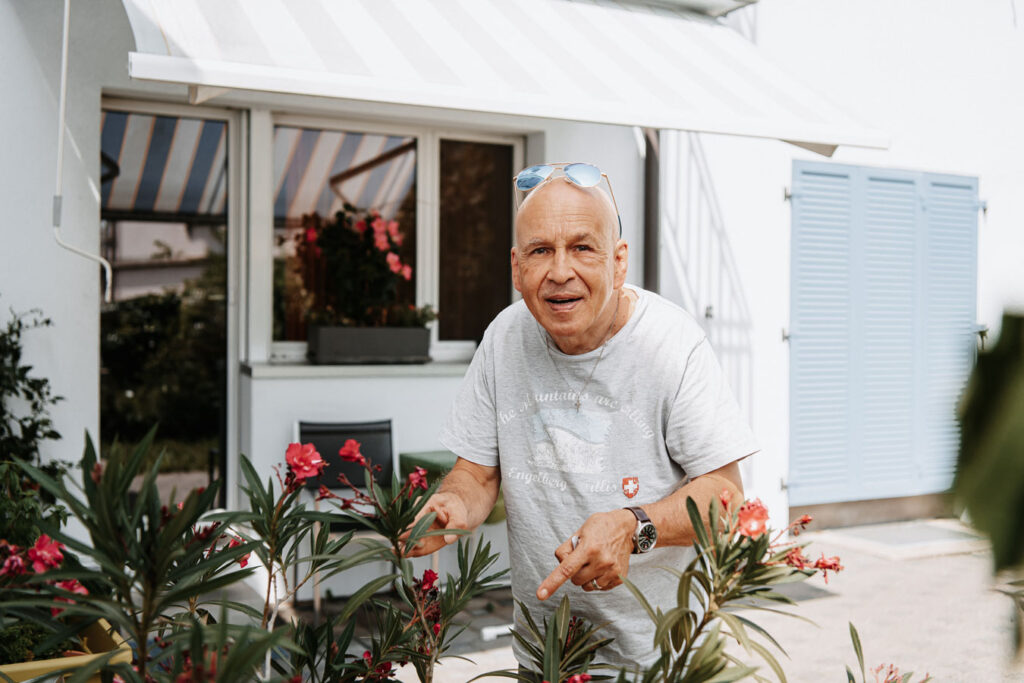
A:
x: 581, y: 60
x: 175, y: 168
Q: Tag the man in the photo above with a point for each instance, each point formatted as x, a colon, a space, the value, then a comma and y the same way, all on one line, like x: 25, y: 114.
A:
x: 584, y: 399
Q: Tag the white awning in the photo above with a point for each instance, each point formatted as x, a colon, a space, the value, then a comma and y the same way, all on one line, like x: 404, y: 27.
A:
x: 581, y: 60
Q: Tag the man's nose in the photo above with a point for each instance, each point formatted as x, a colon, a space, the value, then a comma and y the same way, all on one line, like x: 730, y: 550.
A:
x: 561, y: 270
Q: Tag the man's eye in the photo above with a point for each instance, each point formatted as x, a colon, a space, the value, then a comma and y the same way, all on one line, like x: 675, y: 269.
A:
x: 539, y: 250
x: 582, y: 247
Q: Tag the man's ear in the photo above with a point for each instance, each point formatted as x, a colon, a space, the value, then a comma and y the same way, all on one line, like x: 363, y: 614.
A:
x: 516, y: 281
x: 621, y: 262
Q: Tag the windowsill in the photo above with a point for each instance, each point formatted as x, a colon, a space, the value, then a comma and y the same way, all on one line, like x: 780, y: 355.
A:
x: 304, y: 370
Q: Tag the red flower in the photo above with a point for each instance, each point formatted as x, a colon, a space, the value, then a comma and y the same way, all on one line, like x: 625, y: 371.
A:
x: 244, y: 559
x: 579, y: 678
x: 796, y: 558
x: 71, y: 586
x: 724, y: 497
x: 437, y: 628
x: 310, y: 235
x: 304, y: 461
x: 46, y: 554
x: 828, y: 564
x: 380, y: 240
x: 429, y: 577
x: 13, y: 566
x: 407, y: 271
x: 360, y: 227
x: 324, y: 493
x: 753, y: 518
x: 97, y: 472
x: 350, y: 453
x: 394, y: 262
x: 417, y: 480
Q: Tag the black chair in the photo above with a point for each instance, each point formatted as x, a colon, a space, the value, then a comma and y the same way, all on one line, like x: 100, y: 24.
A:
x: 377, y: 444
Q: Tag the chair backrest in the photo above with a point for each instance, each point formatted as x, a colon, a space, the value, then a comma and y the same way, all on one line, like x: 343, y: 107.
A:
x: 377, y: 444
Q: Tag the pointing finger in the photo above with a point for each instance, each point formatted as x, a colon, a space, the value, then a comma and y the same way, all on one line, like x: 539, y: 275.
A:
x: 562, y: 573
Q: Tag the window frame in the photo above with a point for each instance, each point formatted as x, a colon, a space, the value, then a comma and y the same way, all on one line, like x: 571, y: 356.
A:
x: 428, y: 227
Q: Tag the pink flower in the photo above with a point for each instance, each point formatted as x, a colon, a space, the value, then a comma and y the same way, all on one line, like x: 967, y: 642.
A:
x: 304, y: 461
x: 417, y: 480
x: 360, y: 227
x: 407, y: 272
x: 429, y: 577
x: 45, y: 554
x: 350, y: 453
x: 437, y: 628
x: 380, y: 240
x: 394, y: 262
x: 394, y: 232
x: 13, y: 566
x: 379, y: 226
x: 753, y: 518
x: 97, y: 472
x: 579, y: 678
x: 72, y: 586
x: 310, y: 235
x: 724, y: 498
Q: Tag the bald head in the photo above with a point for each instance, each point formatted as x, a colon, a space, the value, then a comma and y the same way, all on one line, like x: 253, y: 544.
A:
x: 559, y: 202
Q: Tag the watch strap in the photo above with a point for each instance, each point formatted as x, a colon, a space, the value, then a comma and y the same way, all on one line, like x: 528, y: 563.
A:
x: 641, y: 516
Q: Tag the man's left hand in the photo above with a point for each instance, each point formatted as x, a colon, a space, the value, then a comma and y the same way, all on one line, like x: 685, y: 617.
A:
x: 600, y: 560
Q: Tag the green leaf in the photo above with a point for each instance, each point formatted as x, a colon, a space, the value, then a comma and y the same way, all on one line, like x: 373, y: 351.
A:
x: 857, y: 649
x: 698, y: 524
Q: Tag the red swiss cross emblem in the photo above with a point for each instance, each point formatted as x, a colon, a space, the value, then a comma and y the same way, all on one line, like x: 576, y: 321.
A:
x: 630, y: 486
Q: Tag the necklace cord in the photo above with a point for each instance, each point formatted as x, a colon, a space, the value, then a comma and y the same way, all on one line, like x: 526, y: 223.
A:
x: 604, y: 345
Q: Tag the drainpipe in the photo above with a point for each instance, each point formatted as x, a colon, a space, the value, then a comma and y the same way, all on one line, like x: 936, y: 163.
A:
x: 59, y: 185
x: 652, y: 185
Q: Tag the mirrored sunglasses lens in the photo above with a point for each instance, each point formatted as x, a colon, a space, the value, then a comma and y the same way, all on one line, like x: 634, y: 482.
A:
x: 531, y: 177
x: 584, y: 175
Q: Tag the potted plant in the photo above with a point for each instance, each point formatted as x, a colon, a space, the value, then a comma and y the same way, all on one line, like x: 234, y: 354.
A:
x: 352, y: 270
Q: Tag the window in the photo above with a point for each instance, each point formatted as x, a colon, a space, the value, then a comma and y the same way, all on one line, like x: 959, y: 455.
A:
x: 317, y: 172
x: 164, y: 351
x: 450, y: 194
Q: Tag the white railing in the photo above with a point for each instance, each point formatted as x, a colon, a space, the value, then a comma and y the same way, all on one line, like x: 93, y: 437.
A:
x: 698, y: 270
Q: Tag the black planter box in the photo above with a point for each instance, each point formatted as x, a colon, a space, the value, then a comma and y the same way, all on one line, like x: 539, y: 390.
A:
x: 332, y: 345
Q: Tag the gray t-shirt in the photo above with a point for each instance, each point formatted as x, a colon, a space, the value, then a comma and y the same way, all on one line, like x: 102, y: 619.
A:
x: 656, y: 411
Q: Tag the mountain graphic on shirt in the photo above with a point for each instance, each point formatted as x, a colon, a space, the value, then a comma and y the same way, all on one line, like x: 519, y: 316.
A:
x: 568, y: 441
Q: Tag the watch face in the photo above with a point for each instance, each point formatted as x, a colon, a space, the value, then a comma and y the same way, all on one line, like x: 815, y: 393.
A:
x: 646, y: 537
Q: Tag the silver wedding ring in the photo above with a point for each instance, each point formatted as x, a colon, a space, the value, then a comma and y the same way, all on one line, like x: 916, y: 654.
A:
x: 594, y: 583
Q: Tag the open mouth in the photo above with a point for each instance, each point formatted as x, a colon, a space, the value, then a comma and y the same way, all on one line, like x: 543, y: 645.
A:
x: 562, y: 301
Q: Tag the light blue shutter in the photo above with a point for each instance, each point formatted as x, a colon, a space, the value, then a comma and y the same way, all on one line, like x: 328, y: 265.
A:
x: 950, y: 296
x: 882, y: 322
x: 821, y: 320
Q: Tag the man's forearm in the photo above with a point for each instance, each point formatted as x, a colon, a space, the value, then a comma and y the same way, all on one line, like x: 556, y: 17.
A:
x: 477, y: 486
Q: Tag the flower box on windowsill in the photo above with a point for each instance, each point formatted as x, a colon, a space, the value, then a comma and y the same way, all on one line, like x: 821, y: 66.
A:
x: 336, y: 345
x: 97, y: 640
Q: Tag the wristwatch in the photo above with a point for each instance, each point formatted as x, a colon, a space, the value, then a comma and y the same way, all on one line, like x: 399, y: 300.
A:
x: 645, y: 536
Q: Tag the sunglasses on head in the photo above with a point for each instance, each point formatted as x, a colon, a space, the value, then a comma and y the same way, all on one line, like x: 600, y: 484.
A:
x: 584, y: 175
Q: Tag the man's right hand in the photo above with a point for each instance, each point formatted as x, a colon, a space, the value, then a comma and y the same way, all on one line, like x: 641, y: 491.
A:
x: 451, y: 514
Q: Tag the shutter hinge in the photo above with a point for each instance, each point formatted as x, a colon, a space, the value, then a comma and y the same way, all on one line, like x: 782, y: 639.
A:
x: 783, y: 484
x: 785, y: 335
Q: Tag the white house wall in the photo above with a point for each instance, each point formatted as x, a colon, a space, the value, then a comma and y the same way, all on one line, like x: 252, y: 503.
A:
x: 944, y: 81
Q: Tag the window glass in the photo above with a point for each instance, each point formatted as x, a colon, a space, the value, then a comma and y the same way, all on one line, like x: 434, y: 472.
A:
x: 318, y: 173
x: 476, y: 235
x: 163, y: 339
